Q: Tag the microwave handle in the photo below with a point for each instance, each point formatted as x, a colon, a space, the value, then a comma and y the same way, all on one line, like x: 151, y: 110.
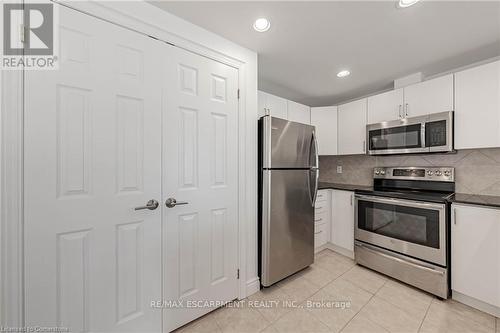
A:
x: 422, y: 135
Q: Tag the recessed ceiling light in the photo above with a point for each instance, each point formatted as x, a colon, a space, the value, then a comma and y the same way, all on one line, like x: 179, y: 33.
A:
x: 343, y: 73
x: 262, y: 24
x: 407, y: 3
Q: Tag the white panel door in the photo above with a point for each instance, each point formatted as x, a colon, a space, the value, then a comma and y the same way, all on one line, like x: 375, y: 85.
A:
x: 477, y: 107
x: 324, y: 119
x: 92, y: 154
x: 475, y: 253
x: 385, y: 107
x: 352, y: 128
x: 299, y: 113
x: 427, y: 97
x: 200, y: 168
x: 342, y: 231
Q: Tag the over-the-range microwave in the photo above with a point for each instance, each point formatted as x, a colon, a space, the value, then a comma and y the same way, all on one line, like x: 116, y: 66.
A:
x: 423, y: 134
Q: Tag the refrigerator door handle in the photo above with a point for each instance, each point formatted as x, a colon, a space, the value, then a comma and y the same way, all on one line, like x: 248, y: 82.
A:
x: 315, y: 168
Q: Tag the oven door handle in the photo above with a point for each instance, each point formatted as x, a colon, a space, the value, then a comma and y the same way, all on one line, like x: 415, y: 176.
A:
x: 406, y: 262
x: 401, y: 202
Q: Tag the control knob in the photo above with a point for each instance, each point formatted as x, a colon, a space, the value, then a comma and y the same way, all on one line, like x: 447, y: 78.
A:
x: 429, y: 172
x: 438, y: 173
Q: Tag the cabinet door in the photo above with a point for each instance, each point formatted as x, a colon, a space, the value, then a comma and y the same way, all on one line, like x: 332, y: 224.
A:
x: 342, y: 231
x: 324, y: 119
x: 262, y: 103
x: 431, y: 96
x: 477, y: 107
x: 352, y: 128
x: 277, y: 106
x: 475, y: 253
x: 385, y: 107
x: 299, y: 112
x: 273, y: 105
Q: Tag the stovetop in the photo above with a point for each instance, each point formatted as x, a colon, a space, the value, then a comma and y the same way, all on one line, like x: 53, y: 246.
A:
x: 429, y: 196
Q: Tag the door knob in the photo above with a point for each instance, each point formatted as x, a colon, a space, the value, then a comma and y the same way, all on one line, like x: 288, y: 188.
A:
x: 171, y: 203
x: 151, y: 205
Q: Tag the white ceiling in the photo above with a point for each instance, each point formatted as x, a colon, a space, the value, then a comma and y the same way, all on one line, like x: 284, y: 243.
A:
x: 309, y: 42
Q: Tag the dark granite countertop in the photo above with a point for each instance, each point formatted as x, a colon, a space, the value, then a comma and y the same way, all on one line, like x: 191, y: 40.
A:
x: 345, y: 187
x: 473, y: 199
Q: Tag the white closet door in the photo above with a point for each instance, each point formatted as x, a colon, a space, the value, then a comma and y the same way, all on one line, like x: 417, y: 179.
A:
x: 200, y: 167
x: 92, y: 154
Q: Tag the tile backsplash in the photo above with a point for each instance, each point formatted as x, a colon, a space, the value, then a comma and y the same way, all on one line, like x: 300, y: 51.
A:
x: 477, y: 171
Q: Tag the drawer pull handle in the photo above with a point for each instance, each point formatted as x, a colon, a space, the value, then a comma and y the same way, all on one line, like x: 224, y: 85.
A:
x: 318, y: 220
x: 316, y: 233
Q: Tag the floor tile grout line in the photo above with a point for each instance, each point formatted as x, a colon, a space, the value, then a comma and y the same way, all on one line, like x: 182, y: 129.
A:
x: 425, y: 316
x: 372, y: 295
x: 337, y: 278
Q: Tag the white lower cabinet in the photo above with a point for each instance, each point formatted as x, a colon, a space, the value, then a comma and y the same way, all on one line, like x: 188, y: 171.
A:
x: 334, y: 221
x: 342, y: 230
x: 475, y: 256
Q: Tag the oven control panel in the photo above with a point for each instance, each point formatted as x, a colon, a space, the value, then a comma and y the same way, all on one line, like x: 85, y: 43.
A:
x: 415, y: 173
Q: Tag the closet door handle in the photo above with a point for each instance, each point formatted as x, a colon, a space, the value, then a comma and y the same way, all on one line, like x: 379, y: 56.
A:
x: 171, y: 203
x: 151, y: 205
x: 399, y: 111
x: 406, y: 110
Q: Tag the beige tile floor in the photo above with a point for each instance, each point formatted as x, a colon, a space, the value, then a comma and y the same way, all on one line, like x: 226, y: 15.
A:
x: 336, y: 295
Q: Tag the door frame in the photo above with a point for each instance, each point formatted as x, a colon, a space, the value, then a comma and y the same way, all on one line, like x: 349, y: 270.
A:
x: 146, y: 19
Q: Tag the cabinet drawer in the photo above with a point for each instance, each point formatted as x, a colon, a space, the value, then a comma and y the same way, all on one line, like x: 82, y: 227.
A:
x: 321, y: 207
x: 320, y: 235
x: 321, y: 196
x: 320, y: 218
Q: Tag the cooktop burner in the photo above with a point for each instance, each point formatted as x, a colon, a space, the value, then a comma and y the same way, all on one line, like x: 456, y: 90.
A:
x: 439, y: 197
x: 413, y: 183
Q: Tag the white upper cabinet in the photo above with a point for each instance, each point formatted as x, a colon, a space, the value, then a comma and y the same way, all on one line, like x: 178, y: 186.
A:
x: 427, y: 97
x: 352, y: 128
x: 262, y: 103
x: 386, y: 106
x: 477, y: 107
x: 274, y: 105
x: 475, y: 253
x: 325, y: 121
x: 299, y: 113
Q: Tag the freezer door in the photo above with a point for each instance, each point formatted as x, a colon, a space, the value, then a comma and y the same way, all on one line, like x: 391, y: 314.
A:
x: 287, y: 144
x: 287, y: 243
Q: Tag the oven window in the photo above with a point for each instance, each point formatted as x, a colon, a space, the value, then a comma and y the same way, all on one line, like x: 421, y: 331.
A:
x: 402, y: 137
x: 410, y: 224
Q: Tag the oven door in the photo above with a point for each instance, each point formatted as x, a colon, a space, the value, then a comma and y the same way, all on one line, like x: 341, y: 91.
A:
x: 413, y: 228
x: 397, y: 137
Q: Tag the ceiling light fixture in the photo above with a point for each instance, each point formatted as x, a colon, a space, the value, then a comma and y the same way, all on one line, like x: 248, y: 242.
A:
x: 407, y: 3
x: 343, y: 73
x: 261, y: 24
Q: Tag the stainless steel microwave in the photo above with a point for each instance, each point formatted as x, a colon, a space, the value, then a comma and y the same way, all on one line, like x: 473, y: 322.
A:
x: 423, y: 134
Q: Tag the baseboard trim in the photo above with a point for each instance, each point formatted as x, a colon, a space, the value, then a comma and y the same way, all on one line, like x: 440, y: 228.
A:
x: 253, y: 286
x: 340, y: 250
x: 475, y: 303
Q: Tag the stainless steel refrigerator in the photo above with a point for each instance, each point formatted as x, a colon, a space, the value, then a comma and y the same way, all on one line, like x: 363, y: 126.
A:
x: 288, y: 183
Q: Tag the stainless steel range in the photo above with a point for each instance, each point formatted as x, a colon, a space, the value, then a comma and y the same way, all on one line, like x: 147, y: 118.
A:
x: 402, y: 225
